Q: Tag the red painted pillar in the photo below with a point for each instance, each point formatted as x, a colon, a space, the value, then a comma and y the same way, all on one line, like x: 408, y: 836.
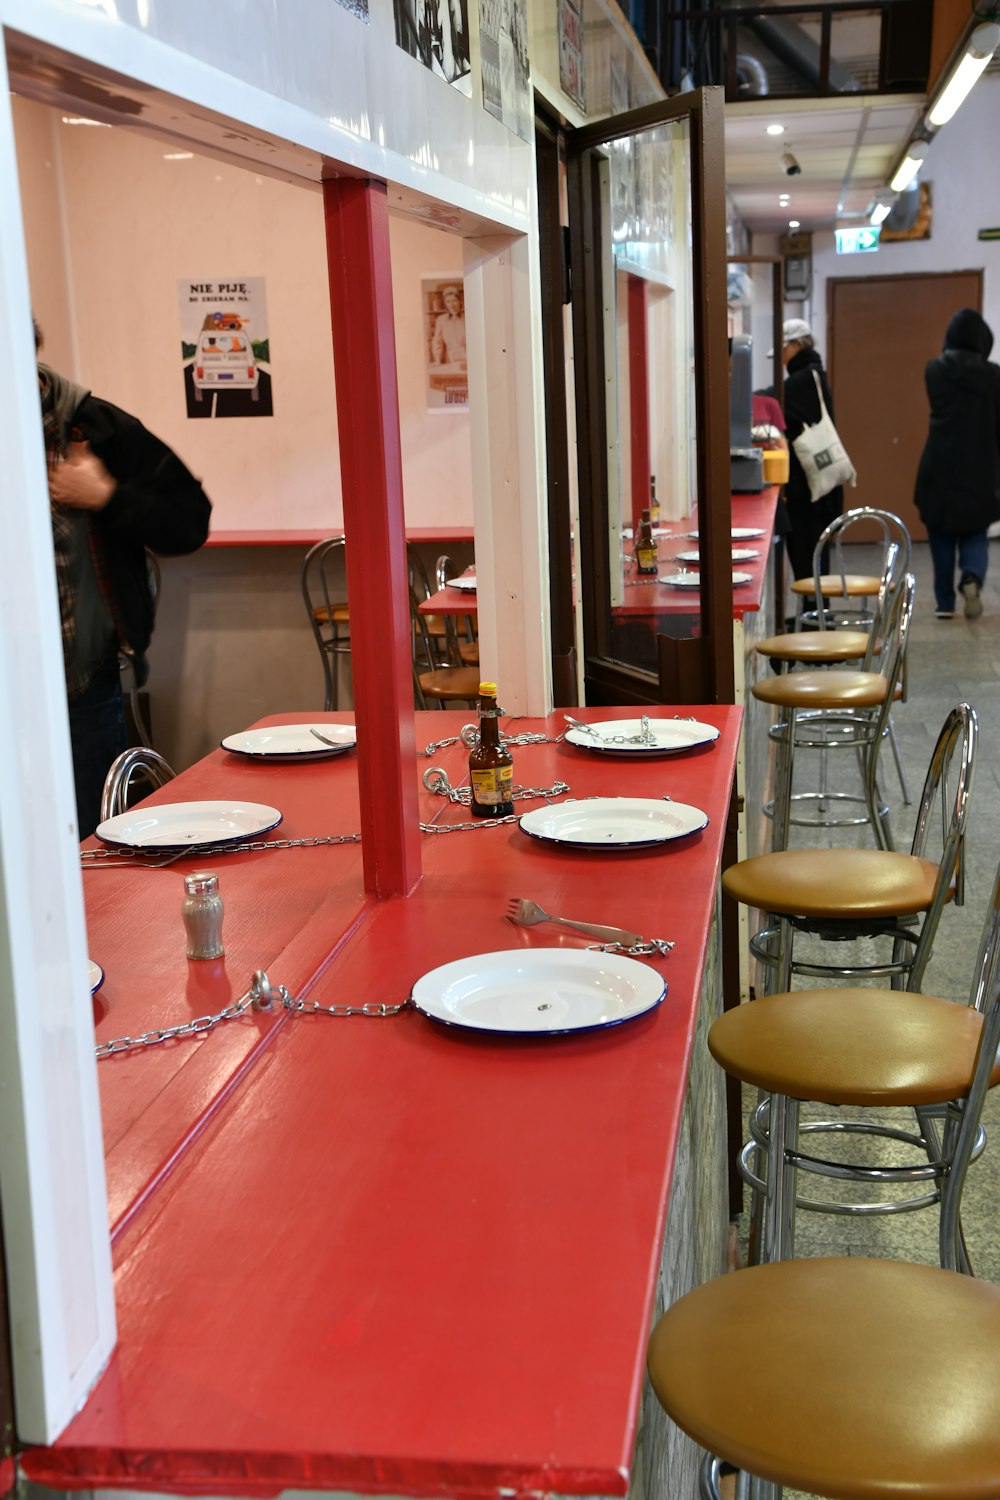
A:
x: 638, y: 385
x: 364, y: 353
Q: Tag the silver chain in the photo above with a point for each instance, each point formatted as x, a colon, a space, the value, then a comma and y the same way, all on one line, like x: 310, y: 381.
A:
x: 261, y: 995
x: 468, y: 735
x: 436, y: 780
x: 142, y: 856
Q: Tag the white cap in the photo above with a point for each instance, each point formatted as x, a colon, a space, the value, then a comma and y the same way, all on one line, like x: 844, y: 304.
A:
x: 792, y: 331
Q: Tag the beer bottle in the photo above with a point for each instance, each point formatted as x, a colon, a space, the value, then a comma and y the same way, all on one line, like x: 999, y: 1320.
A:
x: 654, y: 504
x: 491, y: 765
x: 645, y: 546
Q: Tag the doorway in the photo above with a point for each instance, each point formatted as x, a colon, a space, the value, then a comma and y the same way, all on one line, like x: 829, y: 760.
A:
x: 878, y: 345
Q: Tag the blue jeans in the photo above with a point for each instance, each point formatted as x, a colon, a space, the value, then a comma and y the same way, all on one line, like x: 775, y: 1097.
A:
x: 97, y: 730
x: 972, y: 554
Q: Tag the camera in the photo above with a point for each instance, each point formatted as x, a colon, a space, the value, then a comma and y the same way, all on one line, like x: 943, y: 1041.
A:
x: 790, y: 164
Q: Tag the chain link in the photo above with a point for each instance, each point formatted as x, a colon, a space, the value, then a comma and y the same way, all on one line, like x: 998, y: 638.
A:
x: 150, y: 855
x: 261, y: 995
x: 436, y: 781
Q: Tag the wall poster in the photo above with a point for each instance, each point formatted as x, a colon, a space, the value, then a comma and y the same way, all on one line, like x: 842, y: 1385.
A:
x: 436, y: 33
x: 444, y: 343
x: 571, y: 52
x: 503, y: 49
x: 225, y: 348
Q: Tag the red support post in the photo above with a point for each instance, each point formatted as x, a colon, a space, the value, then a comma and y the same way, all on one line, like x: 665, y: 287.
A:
x: 364, y: 352
x: 638, y: 385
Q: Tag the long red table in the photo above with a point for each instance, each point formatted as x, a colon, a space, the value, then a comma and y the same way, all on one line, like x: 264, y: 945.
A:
x: 374, y: 1253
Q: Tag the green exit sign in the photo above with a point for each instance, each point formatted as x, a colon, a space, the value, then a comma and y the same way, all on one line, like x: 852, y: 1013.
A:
x: 853, y: 241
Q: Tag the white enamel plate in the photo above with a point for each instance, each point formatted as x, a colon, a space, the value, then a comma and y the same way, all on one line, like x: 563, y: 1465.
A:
x: 686, y: 580
x: 669, y: 736
x: 746, y: 533
x: 96, y: 974
x: 467, y: 583
x: 739, y: 554
x: 184, y: 825
x: 283, y: 742
x: 544, y: 992
x: 614, y: 822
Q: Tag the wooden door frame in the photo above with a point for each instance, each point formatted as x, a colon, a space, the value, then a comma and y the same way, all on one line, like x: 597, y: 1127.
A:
x: 700, y: 670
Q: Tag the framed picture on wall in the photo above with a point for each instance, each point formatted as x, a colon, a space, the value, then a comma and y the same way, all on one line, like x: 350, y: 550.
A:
x: 436, y: 33
x: 503, y: 52
x: 444, y: 343
x: 225, y: 346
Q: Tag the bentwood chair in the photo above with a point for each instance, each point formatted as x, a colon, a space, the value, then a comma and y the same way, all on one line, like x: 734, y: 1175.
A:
x: 836, y: 707
x: 132, y: 767
x: 837, y: 896
x: 323, y: 581
x: 438, y: 630
x: 433, y: 683
x: 851, y: 1378
x: 876, y: 1050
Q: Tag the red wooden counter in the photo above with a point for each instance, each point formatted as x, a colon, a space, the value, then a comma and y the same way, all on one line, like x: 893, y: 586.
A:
x: 386, y: 1256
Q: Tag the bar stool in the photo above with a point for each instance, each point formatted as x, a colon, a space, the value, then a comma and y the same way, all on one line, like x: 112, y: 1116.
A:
x: 853, y: 1378
x: 837, y: 582
x: 840, y: 895
x: 870, y: 1049
x: 837, y: 707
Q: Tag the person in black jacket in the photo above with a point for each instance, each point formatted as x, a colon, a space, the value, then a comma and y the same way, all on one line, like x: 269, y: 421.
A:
x: 114, y: 490
x: 807, y: 518
x: 958, y: 480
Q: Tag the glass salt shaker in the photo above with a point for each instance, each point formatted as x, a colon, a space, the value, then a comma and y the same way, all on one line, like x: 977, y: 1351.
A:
x: 202, y: 911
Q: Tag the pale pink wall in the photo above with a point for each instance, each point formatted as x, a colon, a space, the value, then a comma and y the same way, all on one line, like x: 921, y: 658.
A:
x: 111, y: 224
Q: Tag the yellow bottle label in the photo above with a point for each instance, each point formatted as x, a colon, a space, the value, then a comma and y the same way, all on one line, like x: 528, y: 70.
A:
x: 493, y: 785
x: 646, y: 558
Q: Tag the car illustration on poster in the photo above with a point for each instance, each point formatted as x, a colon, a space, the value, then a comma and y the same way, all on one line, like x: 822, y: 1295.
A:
x: 224, y: 357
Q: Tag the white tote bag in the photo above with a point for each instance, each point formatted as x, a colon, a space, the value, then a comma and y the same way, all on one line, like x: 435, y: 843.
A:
x: 822, y: 455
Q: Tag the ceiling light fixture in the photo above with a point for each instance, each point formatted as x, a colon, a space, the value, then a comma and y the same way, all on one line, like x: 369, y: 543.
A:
x: 776, y: 129
x: 178, y: 156
x: 978, y: 53
x: 794, y: 223
x: 916, y: 155
x: 881, y: 211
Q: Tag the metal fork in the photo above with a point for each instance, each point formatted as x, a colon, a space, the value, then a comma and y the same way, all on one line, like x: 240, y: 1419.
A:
x: 525, y: 913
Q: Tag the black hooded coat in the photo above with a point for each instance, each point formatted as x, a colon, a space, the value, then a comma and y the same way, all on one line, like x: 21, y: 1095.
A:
x: 958, y: 480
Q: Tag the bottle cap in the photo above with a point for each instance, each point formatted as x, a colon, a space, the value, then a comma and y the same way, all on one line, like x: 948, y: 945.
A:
x: 488, y: 689
x: 201, y: 884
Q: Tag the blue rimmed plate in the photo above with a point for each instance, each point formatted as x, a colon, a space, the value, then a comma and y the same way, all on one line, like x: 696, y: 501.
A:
x: 541, y: 992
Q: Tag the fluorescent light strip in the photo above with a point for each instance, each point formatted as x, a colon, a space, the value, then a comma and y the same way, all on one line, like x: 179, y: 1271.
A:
x: 909, y: 167
x: 982, y: 45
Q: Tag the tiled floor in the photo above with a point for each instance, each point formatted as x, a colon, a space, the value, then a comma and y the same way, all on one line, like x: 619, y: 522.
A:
x: 949, y: 661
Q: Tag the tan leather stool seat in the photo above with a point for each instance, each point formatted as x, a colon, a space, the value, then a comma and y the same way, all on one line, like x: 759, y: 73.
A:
x: 850, y: 586
x: 815, y: 645
x: 852, y: 1046
x: 852, y: 1378
x: 447, y: 683
x: 337, y: 613
x: 841, y: 884
x: 822, y: 689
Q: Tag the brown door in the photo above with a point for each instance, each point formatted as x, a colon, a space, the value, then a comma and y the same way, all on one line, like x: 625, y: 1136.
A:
x: 882, y: 330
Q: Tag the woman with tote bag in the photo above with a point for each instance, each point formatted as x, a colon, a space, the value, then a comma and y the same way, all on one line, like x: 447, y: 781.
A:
x: 807, y: 517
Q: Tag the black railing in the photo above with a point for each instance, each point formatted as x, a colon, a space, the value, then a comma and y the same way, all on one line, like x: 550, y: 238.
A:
x: 780, y: 51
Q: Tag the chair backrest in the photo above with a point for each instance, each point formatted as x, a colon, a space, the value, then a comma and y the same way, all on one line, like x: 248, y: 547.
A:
x: 137, y: 764
x: 895, y: 548
x: 420, y: 579
x: 985, y: 998
x: 443, y: 570
x: 323, y: 581
x: 944, y: 804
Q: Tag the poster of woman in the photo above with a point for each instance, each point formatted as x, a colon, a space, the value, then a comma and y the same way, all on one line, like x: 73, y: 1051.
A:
x: 444, y: 343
